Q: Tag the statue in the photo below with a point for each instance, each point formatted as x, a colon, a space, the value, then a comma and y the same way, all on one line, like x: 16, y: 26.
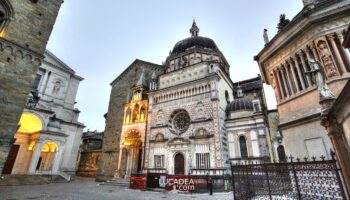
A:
x: 326, y: 57
x: 266, y: 37
x: 320, y: 79
x: 56, y: 87
x: 274, y: 86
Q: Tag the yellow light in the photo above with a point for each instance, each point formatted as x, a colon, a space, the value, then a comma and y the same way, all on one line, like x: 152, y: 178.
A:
x: 29, y: 123
x: 49, y: 147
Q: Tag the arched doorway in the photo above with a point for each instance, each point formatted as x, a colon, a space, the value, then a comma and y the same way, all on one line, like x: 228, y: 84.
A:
x: 281, y: 153
x: 20, y: 155
x: 179, y: 163
x: 47, y: 156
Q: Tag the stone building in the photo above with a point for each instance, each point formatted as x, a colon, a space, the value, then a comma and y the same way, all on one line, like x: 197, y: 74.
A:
x: 315, y: 33
x: 120, y: 95
x: 90, y: 153
x: 246, y: 122
x: 188, y: 117
x: 25, y: 27
x: 48, y: 136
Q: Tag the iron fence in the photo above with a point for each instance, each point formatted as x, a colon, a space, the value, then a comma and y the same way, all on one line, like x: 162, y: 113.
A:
x: 295, y: 179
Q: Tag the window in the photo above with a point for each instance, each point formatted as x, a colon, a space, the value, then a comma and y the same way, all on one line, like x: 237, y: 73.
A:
x: 36, y: 82
x: 256, y: 106
x: 243, y: 147
x: 202, y: 161
x: 158, y: 161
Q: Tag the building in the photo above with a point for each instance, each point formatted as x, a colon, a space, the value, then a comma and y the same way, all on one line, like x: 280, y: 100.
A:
x: 90, y: 153
x: 315, y: 33
x: 25, y: 27
x: 48, y: 136
x: 183, y: 117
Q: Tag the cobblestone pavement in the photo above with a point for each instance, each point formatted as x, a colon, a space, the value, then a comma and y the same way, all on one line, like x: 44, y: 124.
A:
x: 87, y: 189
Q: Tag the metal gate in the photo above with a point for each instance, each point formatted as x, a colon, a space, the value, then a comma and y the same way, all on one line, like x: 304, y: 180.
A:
x: 296, y: 179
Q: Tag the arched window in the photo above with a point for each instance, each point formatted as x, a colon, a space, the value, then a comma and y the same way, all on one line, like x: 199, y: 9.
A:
x: 281, y: 153
x: 6, y: 13
x: 243, y: 147
x: 143, y: 113
x: 227, y: 96
x: 135, y: 113
x: 127, y: 116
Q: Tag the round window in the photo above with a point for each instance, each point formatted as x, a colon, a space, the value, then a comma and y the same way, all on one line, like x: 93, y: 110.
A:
x: 179, y: 122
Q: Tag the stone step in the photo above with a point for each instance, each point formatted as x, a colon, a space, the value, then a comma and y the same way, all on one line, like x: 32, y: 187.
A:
x: 13, y: 179
x: 117, y: 182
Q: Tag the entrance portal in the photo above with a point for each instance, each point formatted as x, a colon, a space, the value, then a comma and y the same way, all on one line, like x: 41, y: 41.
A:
x: 47, y: 156
x: 11, y: 158
x: 179, y: 161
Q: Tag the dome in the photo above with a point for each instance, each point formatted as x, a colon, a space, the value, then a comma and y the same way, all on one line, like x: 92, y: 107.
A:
x: 240, y: 104
x: 194, y: 42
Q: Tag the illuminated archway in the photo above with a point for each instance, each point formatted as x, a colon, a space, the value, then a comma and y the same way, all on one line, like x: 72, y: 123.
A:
x: 47, y: 156
x: 30, y: 123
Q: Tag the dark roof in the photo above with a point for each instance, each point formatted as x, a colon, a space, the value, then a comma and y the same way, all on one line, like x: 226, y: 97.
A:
x: 240, y: 104
x: 249, y: 84
x: 194, y: 42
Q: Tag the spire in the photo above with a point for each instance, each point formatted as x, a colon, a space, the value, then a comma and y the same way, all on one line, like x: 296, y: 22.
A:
x: 194, y: 29
x: 142, y: 77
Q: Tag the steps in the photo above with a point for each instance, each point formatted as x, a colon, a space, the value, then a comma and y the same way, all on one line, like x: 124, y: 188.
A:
x: 120, y: 182
x: 39, y: 179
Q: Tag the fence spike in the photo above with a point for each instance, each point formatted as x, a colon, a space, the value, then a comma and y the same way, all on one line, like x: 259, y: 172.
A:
x: 298, y: 159
x: 323, y: 157
x: 313, y: 158
x: 305, y: 158
x: 291, y: 158
x: 332, y: 154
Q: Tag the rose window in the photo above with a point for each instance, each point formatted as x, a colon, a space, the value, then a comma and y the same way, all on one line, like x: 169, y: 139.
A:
x: 179, y: 122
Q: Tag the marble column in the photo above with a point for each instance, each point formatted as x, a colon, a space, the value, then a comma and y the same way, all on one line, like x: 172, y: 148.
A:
x: 279, y: 84
x: 294, y: 77
x: 284, y: 81
x: 58, y: 158
x: 43, y: 82
x: 35, y: 158
x: 308, y: 79
x: 337, y: 137
x: 344, y: 51
x: 314, y: 51
x: 301, y: 79
x: 342, y: 67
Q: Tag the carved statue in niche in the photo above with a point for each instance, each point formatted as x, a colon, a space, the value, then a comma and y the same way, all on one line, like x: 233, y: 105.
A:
x: 326, y: 57
x: 274, y: 86
x: 200, y: 111
x: 127, y: 116
x: 57, y: 87
x: 318, y: 74
x: 160, y: 117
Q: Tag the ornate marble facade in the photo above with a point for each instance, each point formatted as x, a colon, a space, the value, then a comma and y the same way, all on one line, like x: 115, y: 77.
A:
x: 186, y: 124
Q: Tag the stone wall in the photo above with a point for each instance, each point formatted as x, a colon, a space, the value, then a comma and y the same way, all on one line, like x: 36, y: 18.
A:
x: 114, y: 121
x: 23, y: 41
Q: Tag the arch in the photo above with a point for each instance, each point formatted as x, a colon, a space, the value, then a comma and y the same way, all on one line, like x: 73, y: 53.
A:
x: 127, y: 118
x: 47, y: 156
x: 281, y: 153
x: 143, y: 113
x: 159, y: 137
x: 243, y: 146
x: 227, y: 96
x: 135, y: 113
x: 179, y: 163
x: 30, y: 123
x: 6, y: 13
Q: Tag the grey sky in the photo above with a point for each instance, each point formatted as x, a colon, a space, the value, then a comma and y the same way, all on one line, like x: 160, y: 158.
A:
x: 99, y: 40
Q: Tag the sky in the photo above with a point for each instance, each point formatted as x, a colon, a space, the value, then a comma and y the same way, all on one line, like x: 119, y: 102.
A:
x: 100, y: 40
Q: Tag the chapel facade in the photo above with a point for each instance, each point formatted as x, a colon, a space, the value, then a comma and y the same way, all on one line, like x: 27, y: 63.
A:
x: 183, y: 117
